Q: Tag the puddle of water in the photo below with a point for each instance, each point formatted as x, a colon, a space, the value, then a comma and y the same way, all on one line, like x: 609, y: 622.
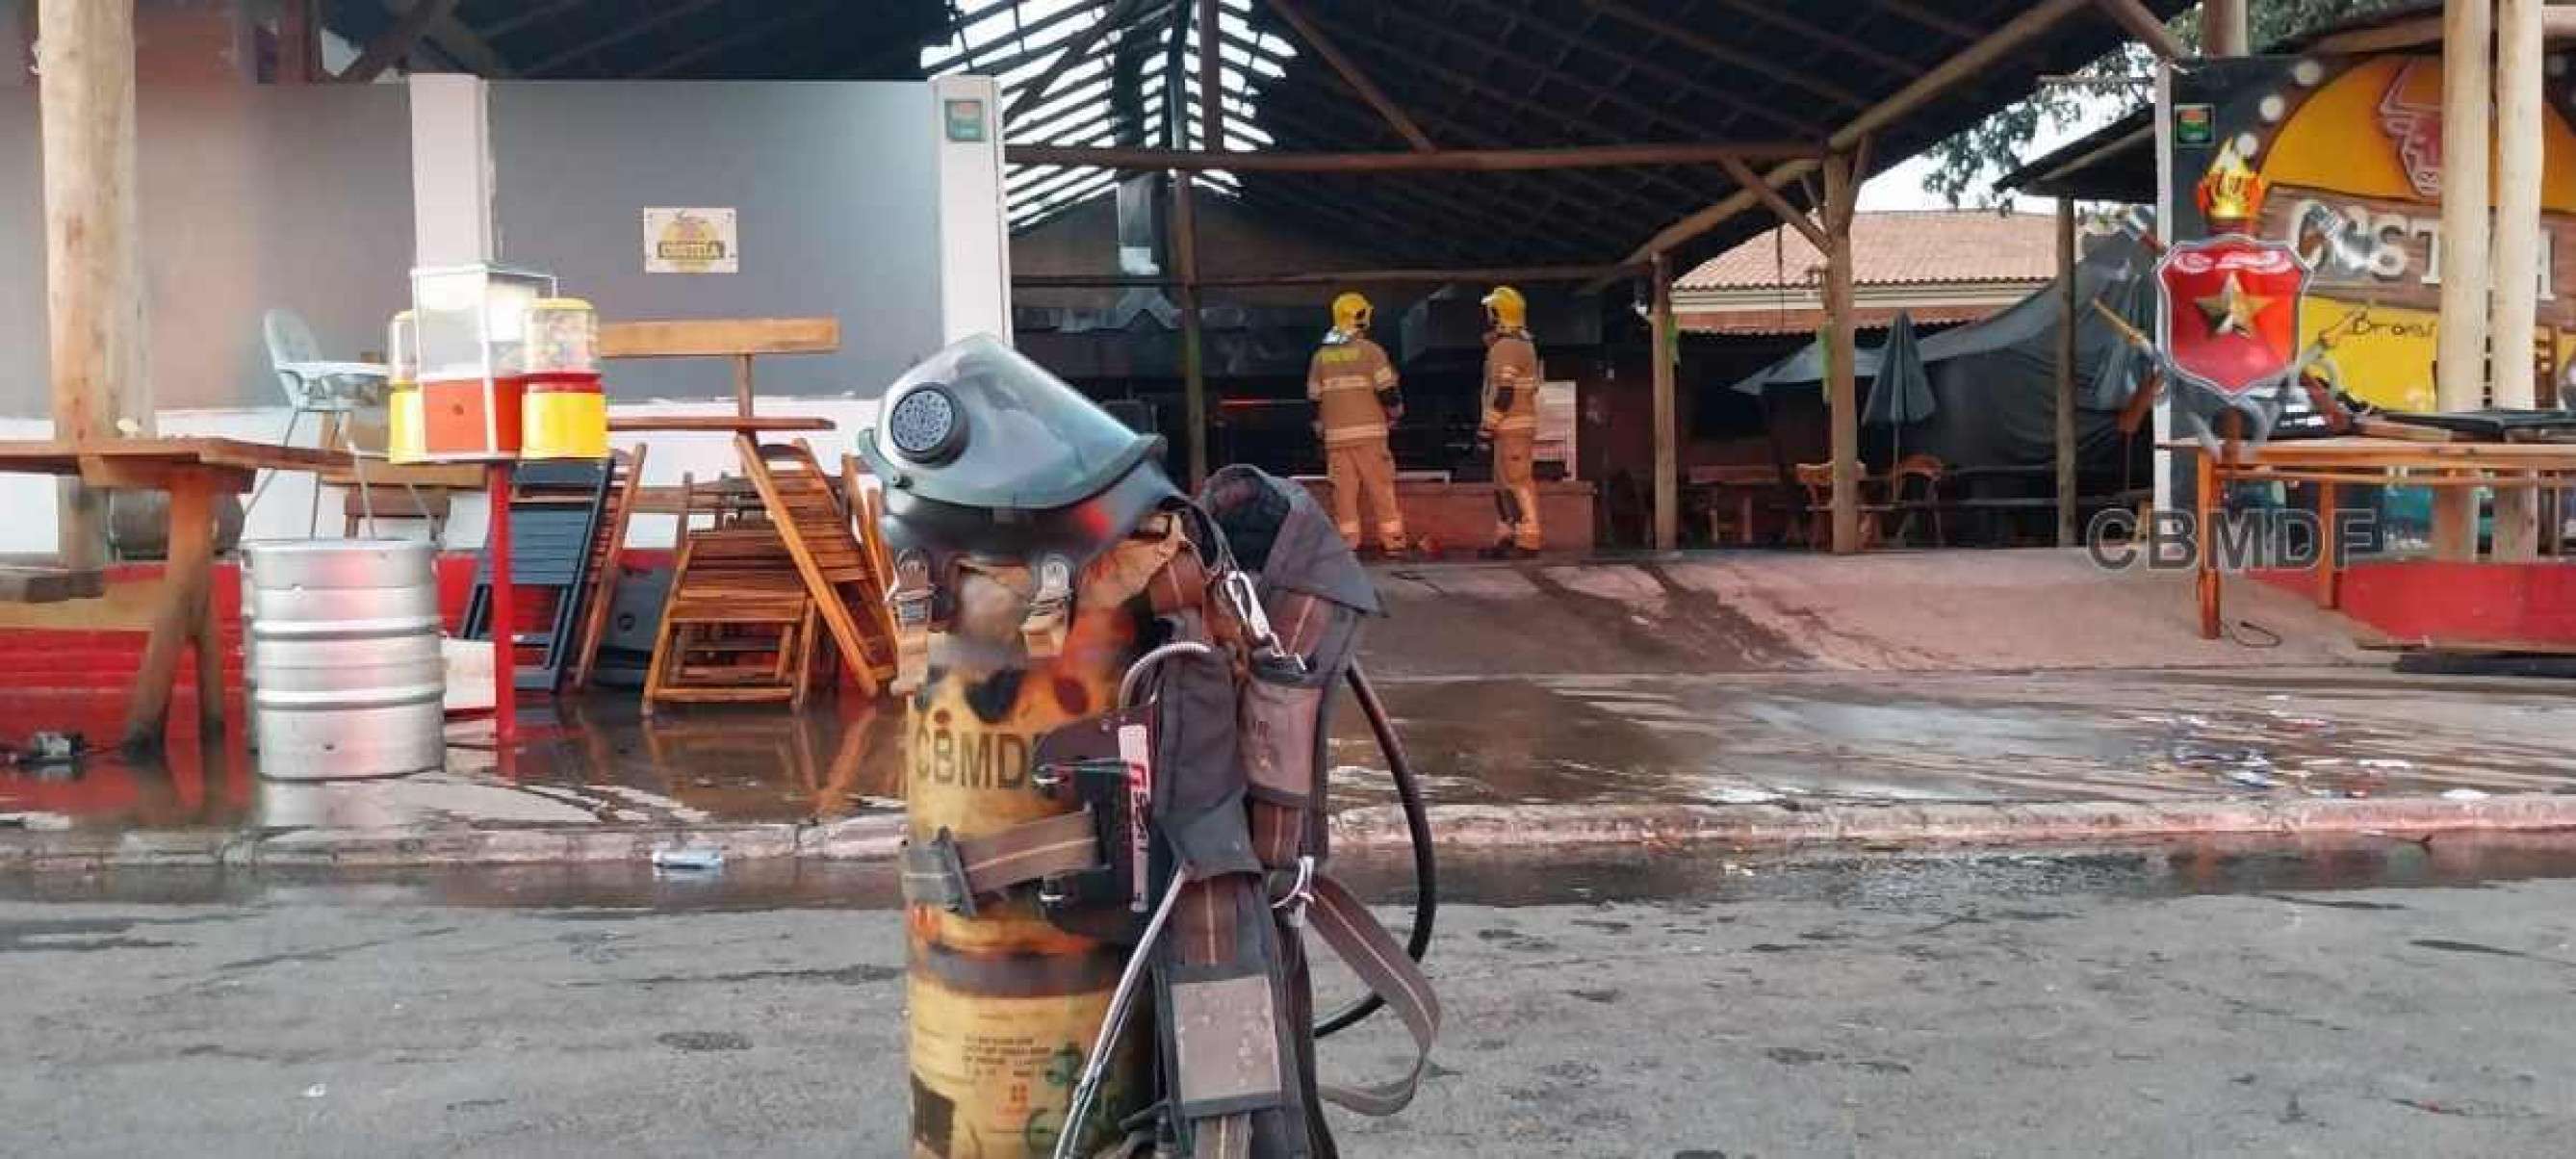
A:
x: 2136, y: 736
x: 583, y: 760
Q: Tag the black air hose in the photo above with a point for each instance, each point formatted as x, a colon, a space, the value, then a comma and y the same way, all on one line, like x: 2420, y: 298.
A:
x: 1417, y: 827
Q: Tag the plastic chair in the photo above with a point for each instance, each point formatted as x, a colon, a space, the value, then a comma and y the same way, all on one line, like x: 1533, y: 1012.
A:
x: 317, y: 386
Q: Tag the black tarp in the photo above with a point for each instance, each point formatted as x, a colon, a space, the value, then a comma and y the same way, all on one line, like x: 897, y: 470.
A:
x: 1994, y: 383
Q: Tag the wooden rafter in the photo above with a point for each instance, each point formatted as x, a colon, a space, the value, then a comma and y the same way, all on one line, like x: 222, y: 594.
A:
x: 2141, y: 24
x: 528, y: 15
x: 1785, y: 18
x: 1611, y: 94
x: 1717, y: 51
x: 458, y: 43
x: 1441, y: 161
x: 396, y: 42
x: 668, y: 15
x: 2032, y: 23
x: 1375, y: 277
x: 1540, y: 201
x: 1211, y: 75
x: 1789, y: 215
x: 1955, y: 29
x: 1470, y: 86
x: 1023, y: 50
x: 1075, y: 50
x: 1353, y: 75
x: 742, y: 35
x: 1488, y: 216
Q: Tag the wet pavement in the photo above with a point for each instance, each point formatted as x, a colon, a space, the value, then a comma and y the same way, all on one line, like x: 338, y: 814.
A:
x: 2369, y: 997
x: 1547, y: 741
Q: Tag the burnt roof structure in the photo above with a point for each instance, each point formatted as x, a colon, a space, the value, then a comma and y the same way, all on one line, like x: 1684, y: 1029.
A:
x: 1532, y: 84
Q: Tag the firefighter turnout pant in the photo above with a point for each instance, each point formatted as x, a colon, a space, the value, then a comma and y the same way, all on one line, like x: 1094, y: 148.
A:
x: 1363, y: 474
x: 1516, y: 489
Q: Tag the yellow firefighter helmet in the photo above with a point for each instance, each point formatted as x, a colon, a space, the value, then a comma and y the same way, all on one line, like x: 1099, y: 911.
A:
x: 1507, y: 308
x: 1352, y: 313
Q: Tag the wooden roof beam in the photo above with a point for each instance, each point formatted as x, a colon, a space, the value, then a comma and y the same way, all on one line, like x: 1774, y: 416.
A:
x: 1494, y: 219
x: 2142, y: 25
x: 1954, y: 29
x: 1604, y: 192
x: 1378, y: 277
x: 1442, y: 161
x: 1789, y: 215
x: 2033, y: 22
x: 1075, y: 50
x: 395, y: 42
x: 742, y: 35
x: 1353, y: 75
x: 1467, y: 84
x: 591, y: 47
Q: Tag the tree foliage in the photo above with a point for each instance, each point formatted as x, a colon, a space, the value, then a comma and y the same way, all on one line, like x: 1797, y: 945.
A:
x: 1965, y: 166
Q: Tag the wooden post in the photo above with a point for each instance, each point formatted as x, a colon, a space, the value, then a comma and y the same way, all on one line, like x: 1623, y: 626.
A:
x: 2073, y: 312
x: 1842, y: 384
x: 1668, y: 513
x: 2222, y: 28
x: 2461, y: 345
x: 93, y: 259
x: 742, y: 384
x: 1185, y: 250
x: 2518, y: 80
x: 1211, y: 79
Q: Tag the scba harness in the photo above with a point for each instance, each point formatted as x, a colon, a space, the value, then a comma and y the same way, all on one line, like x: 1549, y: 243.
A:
x: 1178, y: 826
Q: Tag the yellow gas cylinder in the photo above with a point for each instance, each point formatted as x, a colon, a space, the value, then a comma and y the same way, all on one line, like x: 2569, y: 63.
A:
x: 1004, y: 1006
x: 405, y: 442
x: 564, y: 413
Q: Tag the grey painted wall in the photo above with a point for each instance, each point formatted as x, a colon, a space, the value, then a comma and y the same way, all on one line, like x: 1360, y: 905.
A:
x: 835, y: 188
x: 253, y: 197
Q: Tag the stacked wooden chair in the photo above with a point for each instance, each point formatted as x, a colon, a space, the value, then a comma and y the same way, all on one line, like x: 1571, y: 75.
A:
x: 739, y: 626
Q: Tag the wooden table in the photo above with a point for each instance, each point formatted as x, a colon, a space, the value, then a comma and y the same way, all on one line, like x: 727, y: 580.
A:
x: 1748, y: 482
x: 193, y: 471
x: 2330, y: 464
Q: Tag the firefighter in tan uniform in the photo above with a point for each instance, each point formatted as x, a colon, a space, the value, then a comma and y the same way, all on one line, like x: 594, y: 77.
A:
x: 1354, y: 388
x: 1511, y: 423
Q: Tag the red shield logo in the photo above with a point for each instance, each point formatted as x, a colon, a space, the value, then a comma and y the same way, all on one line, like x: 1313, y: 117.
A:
x: 2231, y: 312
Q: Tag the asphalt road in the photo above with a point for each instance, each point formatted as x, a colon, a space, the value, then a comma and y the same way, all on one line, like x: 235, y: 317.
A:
x: 1916, y: 1006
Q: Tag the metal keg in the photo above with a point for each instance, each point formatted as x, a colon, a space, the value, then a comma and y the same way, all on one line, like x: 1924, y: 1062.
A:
x: 345, y: 672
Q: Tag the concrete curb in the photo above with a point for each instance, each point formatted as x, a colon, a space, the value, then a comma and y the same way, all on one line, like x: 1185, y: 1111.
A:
x: 876, y: 837
x: 1951, y: 823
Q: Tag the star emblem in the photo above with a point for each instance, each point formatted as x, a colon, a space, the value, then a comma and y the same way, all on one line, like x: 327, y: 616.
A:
x: 2231, y: 310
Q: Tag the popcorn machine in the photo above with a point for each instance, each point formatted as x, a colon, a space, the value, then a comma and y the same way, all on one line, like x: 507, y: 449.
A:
x: 473, y: 331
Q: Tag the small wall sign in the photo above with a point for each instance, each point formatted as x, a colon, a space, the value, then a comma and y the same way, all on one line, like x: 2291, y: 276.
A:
x: 691, y: 241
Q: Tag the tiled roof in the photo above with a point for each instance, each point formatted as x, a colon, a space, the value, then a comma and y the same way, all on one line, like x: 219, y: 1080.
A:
x: 1890, y: 249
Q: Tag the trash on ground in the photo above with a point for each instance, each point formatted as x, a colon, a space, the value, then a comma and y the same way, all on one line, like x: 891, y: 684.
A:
x: 35, y: 822
x: 2465, y: 794
x: 679, y: 859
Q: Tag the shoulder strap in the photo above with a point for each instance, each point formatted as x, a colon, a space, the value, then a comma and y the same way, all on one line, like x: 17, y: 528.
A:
x: 1374, y: 955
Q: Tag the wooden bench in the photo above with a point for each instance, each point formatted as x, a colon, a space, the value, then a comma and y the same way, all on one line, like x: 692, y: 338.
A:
x: 739, y: 339
x: 48, y: 585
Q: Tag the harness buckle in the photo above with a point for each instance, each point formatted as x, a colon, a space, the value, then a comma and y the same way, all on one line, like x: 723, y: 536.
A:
x: 935, y: 875
x: 1299, y: 895
x: 1246, y: 602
